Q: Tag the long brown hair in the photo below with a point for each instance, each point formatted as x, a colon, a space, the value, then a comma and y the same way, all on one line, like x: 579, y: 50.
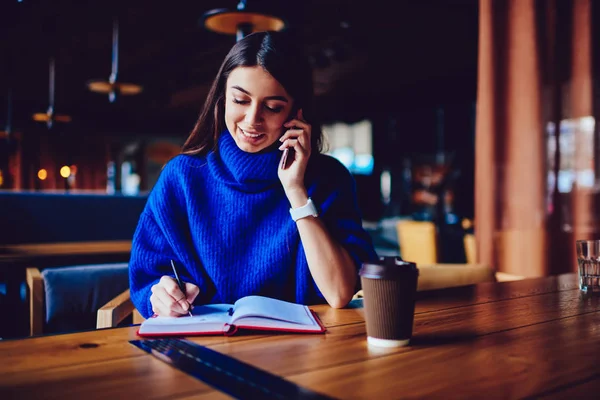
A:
x: 280, y: 56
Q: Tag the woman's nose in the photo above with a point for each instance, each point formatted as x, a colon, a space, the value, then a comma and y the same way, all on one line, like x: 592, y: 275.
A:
x: 253, y: 115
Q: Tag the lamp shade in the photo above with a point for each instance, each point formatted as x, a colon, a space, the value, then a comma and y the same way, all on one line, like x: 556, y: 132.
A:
x: 48, y: 117
x: 228, y: 22
x: 126, y: 89
x: 111, y: 86
x: 241, y: 22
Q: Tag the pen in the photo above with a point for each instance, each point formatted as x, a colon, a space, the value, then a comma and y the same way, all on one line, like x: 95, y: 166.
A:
x: 179, y: 283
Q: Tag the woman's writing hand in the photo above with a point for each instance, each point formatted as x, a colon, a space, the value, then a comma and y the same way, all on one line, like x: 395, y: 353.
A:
x: 297, y: 137
x: 167, y: 299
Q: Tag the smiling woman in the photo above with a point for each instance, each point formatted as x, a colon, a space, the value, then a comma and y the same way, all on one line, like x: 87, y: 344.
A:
x: 267, y: 73
x: 256, y: 108
x: 234, y: 214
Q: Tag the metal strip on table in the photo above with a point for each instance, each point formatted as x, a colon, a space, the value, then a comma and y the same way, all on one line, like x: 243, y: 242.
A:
x: 222, y: 372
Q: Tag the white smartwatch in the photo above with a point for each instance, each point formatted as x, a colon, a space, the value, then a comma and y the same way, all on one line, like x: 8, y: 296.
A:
x: 306, y: 210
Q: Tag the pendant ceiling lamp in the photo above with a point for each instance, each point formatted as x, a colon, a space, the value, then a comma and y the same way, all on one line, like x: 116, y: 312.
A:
x: 112, y: 87
x: 241, y: 22
x: 49, y: 117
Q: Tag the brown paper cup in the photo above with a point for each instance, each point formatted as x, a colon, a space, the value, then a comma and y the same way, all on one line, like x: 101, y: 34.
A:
x: 389, y: 290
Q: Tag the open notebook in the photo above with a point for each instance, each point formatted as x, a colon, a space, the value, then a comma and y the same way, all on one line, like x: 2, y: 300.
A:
x: 250, y: 312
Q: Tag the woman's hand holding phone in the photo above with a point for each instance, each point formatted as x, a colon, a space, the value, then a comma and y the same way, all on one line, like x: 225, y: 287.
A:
x: 296, y: 147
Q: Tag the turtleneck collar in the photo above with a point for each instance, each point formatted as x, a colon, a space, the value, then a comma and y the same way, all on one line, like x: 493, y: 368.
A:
x: 249, y: 172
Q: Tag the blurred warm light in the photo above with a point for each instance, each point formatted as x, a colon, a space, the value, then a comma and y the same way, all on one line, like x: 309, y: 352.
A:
x: 126, y: 89
x: 40, y: 117
x: 1, y: 179
x: 45, y: 117
x: 65, y: 171
x: 467, y: 223
x: 73, y: 169
x: 42, y: 174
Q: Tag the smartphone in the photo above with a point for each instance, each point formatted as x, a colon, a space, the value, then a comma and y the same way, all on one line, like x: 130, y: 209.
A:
x: 288, y: 154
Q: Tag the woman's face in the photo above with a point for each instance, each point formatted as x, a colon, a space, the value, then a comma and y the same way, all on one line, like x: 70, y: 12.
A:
x: 256, y: 107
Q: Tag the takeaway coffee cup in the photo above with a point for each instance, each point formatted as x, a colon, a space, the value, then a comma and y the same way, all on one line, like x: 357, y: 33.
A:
x: 389, y: 290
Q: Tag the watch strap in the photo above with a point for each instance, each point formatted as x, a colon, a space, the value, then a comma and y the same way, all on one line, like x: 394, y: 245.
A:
x: 307, y: 210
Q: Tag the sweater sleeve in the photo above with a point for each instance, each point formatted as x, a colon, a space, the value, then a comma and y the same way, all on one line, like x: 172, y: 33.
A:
x: 342, y: 216
x: 150, y: 250
x: 162, y: 235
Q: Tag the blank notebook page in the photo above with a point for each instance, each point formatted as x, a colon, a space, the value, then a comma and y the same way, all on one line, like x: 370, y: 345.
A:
x: 257, y: 306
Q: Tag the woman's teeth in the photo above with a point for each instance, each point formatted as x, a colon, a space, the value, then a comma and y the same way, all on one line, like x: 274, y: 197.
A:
x: 251, y: 135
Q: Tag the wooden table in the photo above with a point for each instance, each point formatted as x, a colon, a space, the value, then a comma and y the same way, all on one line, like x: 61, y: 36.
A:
x: 538, y: 337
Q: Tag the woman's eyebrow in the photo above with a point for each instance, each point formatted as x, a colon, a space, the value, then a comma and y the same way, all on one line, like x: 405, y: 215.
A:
x: 281, y: 98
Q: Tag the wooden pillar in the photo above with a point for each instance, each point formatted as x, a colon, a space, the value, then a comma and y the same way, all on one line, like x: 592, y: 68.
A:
x: 580, y: 94
x: 510, y: 156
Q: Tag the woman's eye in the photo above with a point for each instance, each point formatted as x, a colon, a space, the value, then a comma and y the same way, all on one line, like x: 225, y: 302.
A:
x: 274, y: 109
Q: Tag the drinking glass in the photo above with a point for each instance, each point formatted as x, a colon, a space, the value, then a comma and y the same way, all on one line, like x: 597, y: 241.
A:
x: 588, y: 259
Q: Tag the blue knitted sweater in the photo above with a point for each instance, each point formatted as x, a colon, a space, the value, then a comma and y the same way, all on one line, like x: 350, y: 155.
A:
x: 224, y: 219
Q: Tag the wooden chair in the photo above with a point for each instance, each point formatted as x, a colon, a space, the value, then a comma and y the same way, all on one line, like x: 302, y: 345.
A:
x: 75, y: 293
x: 116, y: 310
x: 418, y: 241
x: 470, y: 248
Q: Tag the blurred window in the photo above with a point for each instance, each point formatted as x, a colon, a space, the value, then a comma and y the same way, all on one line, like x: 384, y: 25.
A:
x: 352, y: 145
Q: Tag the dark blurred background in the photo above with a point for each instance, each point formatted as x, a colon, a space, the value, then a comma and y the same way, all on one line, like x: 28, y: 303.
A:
x: 407, y: 68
